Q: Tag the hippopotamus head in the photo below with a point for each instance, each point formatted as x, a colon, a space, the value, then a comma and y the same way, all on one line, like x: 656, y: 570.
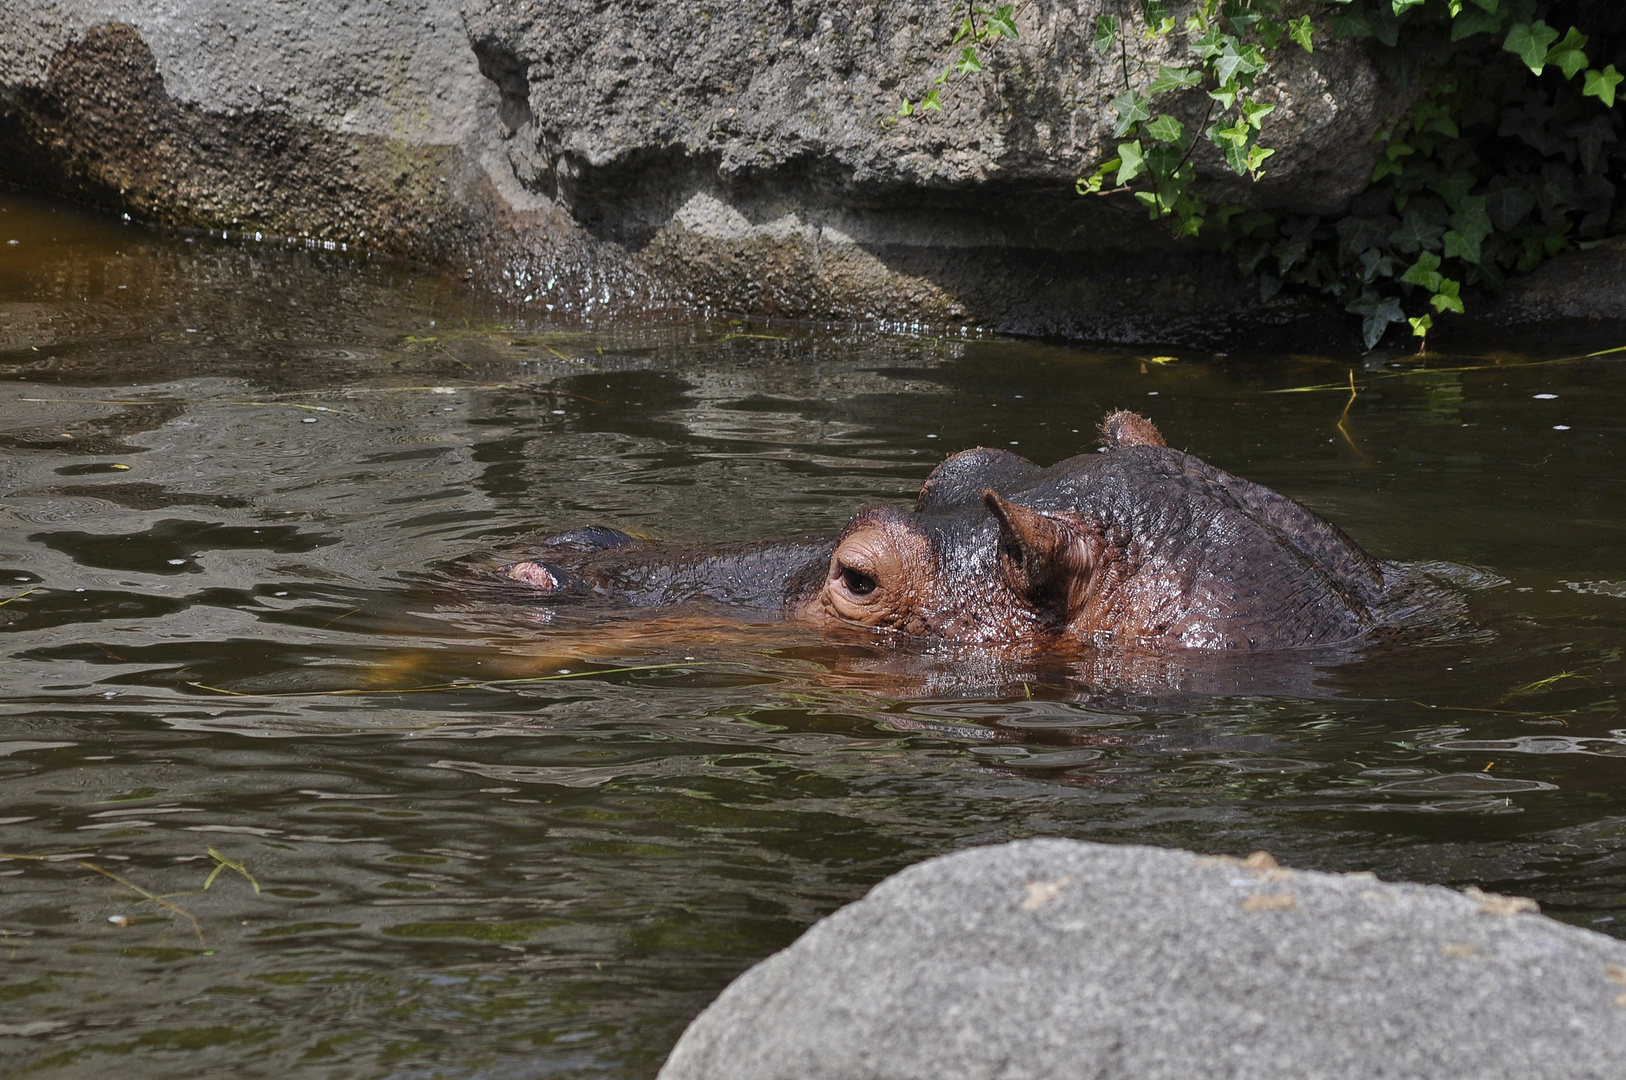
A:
x: 1136, y: 544
x: 1140, y: 543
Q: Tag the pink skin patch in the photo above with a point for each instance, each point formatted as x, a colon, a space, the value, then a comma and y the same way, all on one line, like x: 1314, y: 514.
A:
x: 535, y: 575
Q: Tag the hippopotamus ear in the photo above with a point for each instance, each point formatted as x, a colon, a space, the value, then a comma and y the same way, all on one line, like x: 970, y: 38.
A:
x: 1124, y: 428
x: 1047, y: 560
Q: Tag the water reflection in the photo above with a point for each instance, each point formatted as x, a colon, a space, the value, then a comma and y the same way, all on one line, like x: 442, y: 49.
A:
x: 240, y: 622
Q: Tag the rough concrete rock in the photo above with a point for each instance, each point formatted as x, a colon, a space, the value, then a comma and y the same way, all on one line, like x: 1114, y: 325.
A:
x: 1576, y: 285
x: 627, y: 154
x: 1051, y: 959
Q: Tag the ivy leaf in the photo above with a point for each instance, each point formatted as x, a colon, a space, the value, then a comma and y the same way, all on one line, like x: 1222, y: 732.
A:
x: 1177, y: 78
x: 1462, y: 246
x: 1165, y: 129
x: 1601, y: 85
x: 1254, y: 113
x: 1357, y: 235
x: 931, y: 102
x: 1375, y: 263
x: 1225, y: 95
x: 1235, y: 135
x: 1420, y: 325
x: 1567, y: 55
x: 1425, y: 272
x: 1132, y: 162
x: 1132, y: 108
x: 1256, y: 157
x: 1507, y: 204
x: 1402, y: 6
x: 1092, y: 184
x: 908, y: 108
x: 1454, y: 188
x: 1415, y: 234
x: 1530, y: 41
x: 1247, y: 60
x: 1447, y: 296
x: 1376, y: 315
x: 1106, y: 33
x: 1470, y: 23
x: 1001, y: 21
x: 1590, y: 140
x: 1212, y: 43
x: 1299, y: 30
x: 968, y: 63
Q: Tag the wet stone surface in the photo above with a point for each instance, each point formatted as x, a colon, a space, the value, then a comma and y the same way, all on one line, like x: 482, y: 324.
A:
x: 494, y: 838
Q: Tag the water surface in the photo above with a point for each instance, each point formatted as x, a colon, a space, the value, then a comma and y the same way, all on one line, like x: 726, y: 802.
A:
x: 494, y: 840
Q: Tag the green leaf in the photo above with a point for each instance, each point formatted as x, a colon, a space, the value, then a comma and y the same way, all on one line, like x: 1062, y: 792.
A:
x: 1165, y: 129
x: 1376, y: 315
x: 1567, y: 55
x: 1256, y: 157
x: 1601, y: 85
x: 1092, y: 184
x: 968, y: 63
x: 1471, y: 218
x: 1177, y: 78
x: 1461, y: 246
x: 1132, y: 108
x: 1470, y: 23
x: 1236, y: 135
x: 931, y: 102
x: 1424, y: 272
x: 1454, y: 188
x: 1254, y: 113
x: 1420, y: 325
x: 1299, y: 30
x: 1402, y: 6
x: 1507, y: 204
x: 1246, y: 60
x: 1225, y: 95
x: 1001, y: 21
x: 1212, y: 43
x: 1530, y: 42
x: 1447, y: 296
x: 1236, y: 156
x: 1415, y: 234
x: 1132, y: 161
x: 1375, y: 264
x: 1106, y: 33
x: 907, y: 110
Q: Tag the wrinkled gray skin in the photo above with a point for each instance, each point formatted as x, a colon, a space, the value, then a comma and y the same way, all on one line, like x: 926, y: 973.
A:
x: 1141, y: 545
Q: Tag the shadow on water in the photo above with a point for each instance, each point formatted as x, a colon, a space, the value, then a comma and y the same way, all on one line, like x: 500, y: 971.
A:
x: 460, y: 835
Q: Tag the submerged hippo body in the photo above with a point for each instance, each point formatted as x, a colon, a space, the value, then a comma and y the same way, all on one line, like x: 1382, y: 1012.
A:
x: 1139, y: 545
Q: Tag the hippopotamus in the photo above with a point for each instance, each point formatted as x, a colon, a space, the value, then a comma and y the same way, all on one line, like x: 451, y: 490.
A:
x: 1137, y: 544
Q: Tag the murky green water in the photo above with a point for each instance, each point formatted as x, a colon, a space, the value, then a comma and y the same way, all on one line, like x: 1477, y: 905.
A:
x: 232, y: 487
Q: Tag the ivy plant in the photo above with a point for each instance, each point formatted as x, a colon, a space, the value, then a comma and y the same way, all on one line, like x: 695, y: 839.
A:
x: 1508, y: 156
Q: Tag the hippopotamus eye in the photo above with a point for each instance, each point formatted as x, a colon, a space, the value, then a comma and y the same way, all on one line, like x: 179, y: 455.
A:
x: 857, y: 582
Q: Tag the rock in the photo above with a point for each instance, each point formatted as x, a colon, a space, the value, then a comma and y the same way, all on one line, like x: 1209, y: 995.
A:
x: 621, y: 155
x: 1053, y: 959
x: 1576, y: 285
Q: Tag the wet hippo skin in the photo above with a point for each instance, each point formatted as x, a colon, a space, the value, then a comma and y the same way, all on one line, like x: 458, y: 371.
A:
x: 1139, y: 544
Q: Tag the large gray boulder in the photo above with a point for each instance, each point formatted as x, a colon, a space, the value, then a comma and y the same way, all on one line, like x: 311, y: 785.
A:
x: 1051, y: 959
x: 730, y: 156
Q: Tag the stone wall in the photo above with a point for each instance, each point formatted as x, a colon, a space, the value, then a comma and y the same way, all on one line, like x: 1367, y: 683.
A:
x: 734, y: 157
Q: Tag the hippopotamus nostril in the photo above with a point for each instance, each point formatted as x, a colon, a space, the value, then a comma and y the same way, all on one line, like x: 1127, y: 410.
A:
x: 535, y: 575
